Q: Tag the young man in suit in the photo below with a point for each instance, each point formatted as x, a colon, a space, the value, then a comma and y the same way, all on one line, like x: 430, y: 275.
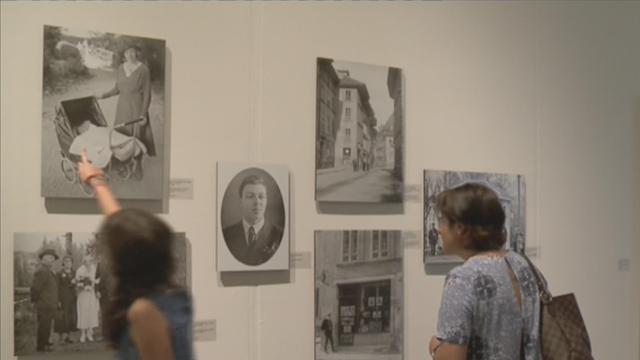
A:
x: 44, y: 293
x: 254, y: 239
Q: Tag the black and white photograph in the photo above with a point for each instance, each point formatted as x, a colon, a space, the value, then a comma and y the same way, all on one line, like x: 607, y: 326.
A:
x: 359, y: 132
x: 253, y: 228
x: 359, y: 295
x: 62, y: 286
x: 105, y: 93
x: 510, y: 189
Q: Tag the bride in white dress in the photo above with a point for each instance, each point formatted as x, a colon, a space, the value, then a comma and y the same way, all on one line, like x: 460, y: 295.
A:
x: 88, y: 305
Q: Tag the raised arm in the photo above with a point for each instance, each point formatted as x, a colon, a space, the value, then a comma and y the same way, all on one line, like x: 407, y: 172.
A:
x: 95, y: 177
x: 110, y: 93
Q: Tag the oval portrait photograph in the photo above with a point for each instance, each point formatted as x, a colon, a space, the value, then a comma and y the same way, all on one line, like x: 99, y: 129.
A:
x: 253, y: 216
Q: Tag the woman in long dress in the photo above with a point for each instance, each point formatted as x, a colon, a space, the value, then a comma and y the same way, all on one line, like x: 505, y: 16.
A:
x: 66, y: 322
x: 133, y: 87
x: 88, y: 306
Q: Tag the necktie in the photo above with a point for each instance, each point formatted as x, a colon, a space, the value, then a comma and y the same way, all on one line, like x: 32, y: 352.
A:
x: 252, y: 235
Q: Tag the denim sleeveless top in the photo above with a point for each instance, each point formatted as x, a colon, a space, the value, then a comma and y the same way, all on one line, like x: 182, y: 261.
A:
x: 176, y: 307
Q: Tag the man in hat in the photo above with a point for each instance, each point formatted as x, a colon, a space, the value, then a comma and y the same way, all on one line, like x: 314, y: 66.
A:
x: 44, y: 293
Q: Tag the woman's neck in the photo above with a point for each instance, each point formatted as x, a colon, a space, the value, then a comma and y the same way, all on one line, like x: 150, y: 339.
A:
x: 468, y: 254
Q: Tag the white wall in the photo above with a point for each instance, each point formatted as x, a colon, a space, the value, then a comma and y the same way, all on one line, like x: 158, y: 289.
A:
x: 548, y: 90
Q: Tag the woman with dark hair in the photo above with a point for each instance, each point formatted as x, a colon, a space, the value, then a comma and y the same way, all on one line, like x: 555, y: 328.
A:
x: 133, y: 87
x: 65, y: 323
x: 490, y: 307
x: 149, y: 316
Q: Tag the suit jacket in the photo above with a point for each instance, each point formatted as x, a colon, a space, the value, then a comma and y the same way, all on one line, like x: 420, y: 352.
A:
x: 44, y: 290
x: 267, y: 242
x: 327, y: 326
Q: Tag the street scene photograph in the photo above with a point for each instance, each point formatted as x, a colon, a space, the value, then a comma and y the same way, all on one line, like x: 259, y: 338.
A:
x: 359, y: 132
x: 510, y: 189
x: 359, y: 295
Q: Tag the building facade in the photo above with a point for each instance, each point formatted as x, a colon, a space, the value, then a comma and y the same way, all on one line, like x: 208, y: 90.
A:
x: 359, y: 284
x: 384, y: 146
x: 356, y: 133
x: 327, y: 113
x: 395, y: 86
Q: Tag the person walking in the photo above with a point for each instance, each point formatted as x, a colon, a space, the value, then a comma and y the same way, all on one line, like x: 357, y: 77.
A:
x: 327, y: 329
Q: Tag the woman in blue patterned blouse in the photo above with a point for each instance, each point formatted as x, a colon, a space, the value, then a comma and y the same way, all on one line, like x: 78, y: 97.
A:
x: 490, y: 308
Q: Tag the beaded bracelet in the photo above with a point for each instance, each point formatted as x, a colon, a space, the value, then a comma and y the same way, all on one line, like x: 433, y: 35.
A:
x: 98, y: 176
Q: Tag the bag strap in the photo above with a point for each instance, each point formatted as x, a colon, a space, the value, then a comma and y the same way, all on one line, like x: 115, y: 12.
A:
x: 544, y: 293
x: 514, y: 283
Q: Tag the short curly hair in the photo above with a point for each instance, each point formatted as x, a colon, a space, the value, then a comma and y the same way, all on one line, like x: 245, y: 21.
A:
x: 477, y: 208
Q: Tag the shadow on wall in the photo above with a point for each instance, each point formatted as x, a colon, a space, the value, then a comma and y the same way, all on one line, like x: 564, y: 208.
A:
x: 255, y: 278
x: 347, y: 208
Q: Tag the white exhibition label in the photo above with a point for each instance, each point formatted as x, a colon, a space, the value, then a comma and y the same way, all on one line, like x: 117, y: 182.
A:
x: 412, y: 193
x: 532, y: 252
x: 204, y: 330
x: 181, y: 189
x: 411, y: 239
x: 301, y: 260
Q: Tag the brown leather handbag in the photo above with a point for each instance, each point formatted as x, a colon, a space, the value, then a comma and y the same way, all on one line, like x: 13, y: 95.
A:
x: 563, y: 335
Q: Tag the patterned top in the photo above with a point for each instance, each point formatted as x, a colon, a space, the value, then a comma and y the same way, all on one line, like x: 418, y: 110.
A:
x: 479, y: 309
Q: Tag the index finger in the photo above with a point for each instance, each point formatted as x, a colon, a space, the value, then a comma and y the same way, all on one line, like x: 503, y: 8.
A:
x: 83, y: 155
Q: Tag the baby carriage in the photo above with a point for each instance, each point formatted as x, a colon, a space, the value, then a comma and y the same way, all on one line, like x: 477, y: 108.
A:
x: 80, y: 124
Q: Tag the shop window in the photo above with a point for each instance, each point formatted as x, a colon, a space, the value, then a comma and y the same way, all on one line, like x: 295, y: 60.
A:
x: 375, y: 309
x: 365, y: 308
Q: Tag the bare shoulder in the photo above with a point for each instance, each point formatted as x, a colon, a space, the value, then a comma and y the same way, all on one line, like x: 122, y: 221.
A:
x: 149, y: 330
x: 143, y: 311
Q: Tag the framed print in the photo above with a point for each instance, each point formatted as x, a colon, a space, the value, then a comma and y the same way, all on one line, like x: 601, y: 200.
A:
x: 253, y: 225
x: 359, y: 294
x: 62, y: 286
x: 511, y: 190
x: 359, y: 132
x: 105, y: 93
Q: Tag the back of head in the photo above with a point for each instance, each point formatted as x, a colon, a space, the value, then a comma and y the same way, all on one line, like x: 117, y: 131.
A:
x: 478, y: 210
x: 139, y: 246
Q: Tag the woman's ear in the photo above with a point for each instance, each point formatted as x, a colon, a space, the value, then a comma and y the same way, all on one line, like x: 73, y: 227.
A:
x: 461, y: 232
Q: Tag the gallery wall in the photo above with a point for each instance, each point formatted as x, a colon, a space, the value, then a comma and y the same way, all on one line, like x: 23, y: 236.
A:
x: 547, y: 90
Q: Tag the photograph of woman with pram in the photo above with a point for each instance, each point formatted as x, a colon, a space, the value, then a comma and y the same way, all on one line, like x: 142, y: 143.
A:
x: 102, y: 92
